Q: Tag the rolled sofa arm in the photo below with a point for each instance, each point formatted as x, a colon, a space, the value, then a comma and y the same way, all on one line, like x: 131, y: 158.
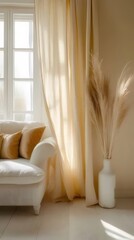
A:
x: 43, y: 150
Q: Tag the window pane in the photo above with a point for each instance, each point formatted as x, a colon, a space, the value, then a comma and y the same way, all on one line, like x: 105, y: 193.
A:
x: 23, y: 116
x: 23, y: 64
x: 23, y: 96
x: 1, y: 34
x: 1, y: 116
x: 23, y: 34
x: 1, y: 96
x: 1, y: 64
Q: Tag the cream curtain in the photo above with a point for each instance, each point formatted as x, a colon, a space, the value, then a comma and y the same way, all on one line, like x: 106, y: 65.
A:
x: 65, y: 37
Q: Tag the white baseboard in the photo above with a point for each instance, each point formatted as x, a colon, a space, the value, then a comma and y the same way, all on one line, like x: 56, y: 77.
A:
x: 124, y: 193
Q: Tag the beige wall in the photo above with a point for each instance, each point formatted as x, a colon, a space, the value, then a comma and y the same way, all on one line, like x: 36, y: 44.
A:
x: 116, y: 45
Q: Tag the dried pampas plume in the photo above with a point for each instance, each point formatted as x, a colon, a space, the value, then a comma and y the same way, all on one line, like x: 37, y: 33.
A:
x: 106, y: 112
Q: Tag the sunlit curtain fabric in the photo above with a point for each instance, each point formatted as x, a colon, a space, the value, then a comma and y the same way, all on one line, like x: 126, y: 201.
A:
x: 65, y: 37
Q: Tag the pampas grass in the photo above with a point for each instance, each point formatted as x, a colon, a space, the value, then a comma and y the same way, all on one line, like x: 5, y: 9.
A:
x: 107, y: 112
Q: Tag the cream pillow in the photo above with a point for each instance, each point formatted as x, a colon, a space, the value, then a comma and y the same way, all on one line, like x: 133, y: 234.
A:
x: 30, y: 138
x: 10, y: 145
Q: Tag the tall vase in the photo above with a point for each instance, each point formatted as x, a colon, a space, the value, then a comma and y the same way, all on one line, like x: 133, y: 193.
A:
x: 107, y: 182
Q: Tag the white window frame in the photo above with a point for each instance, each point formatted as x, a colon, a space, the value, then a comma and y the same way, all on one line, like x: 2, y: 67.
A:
x: 8, y: 64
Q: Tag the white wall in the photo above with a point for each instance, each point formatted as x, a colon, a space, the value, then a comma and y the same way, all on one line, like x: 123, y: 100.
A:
x: 116, y: 42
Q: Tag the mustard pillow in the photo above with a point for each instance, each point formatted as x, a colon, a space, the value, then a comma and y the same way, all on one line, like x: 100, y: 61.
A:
x: 10, y: 145
x: 1, y: 140
x: 30, y: 138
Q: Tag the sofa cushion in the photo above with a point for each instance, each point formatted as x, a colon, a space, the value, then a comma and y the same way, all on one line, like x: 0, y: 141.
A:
x: 19, y: 171
x: 30, y: 138
x: 10, y: 145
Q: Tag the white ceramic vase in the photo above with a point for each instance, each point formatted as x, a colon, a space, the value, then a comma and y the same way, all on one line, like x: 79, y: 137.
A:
x: 107, y: 183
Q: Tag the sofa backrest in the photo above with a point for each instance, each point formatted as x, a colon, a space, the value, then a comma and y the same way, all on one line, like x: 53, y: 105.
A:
x: 15, y: 126
x: 10, y: 126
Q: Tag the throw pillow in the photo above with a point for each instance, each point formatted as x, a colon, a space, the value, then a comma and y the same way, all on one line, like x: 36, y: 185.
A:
x: 30, y: 138
x: 1, y: 140
x: 10, y: 145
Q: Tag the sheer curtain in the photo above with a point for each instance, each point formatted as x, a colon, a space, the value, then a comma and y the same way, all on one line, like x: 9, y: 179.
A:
x: 65, y: 37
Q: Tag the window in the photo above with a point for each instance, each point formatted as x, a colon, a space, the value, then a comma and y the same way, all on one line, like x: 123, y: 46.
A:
x: 19, y: 84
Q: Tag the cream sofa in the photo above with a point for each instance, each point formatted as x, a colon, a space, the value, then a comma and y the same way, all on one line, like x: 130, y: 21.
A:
x: 22, y: 181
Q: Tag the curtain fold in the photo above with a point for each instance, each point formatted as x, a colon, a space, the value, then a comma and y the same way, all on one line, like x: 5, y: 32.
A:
x: 65, y: 38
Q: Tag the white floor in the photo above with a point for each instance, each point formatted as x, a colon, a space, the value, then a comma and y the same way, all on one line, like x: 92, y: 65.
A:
x: 68, y: 221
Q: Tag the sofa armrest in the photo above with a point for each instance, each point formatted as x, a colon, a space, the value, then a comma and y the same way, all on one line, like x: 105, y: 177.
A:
x: 43, y: 150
